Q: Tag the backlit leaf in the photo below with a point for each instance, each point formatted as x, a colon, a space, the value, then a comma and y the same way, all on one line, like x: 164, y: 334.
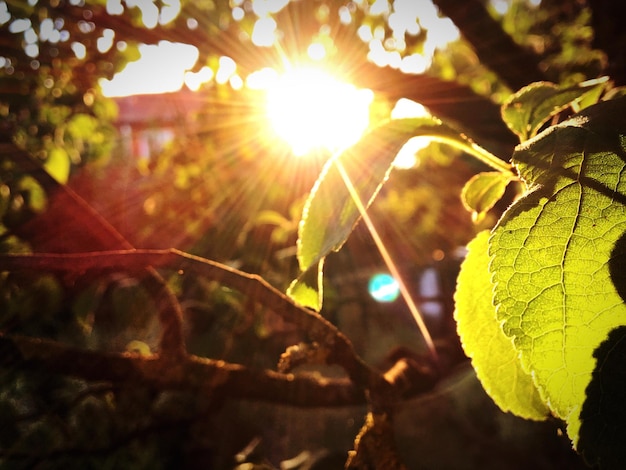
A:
x: 531, y: 107
x: 330, y: 213
x: 83, y: 126
x: 307, y: 289
x: 555, y: 293
x: 493, y: 356
x: 32, y: 193
x: 58, y: 164
x: 483, y: 191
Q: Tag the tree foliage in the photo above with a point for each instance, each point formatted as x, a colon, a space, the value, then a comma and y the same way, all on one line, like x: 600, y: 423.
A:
x: 118, y: 349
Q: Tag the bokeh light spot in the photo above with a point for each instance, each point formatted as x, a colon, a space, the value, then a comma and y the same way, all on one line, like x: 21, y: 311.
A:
x: 383, y: 288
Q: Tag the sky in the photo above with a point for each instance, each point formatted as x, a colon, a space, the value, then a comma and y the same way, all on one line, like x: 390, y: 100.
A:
x: 166, y: 67
x: 160, y: 69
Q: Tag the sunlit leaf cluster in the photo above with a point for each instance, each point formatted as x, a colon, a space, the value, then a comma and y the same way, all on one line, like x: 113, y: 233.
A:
x: 542, y: 292
x: 549, y: 277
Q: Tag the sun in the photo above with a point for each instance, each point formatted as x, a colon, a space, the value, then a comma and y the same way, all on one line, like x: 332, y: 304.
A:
x: 311, y: 110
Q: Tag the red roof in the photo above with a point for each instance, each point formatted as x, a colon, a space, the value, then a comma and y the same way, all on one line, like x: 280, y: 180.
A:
x: 157, y: 108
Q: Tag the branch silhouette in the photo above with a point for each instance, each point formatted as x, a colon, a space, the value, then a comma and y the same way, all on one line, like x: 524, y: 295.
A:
x: 206, y: 376
x: 318, y: 329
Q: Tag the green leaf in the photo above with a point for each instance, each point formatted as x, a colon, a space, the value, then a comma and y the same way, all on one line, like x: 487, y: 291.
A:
x: 551, y: 252
x: 330, y: 213
x: 307, y: 289
x: 531, y: 107
x: 483, y: 191
x: 58, y: 164
x: 354, y: 177
x: 83, y: 126
x: 32, y: 193
x: 272, y: 218
x: 493, y: 356
x: 138, y: 347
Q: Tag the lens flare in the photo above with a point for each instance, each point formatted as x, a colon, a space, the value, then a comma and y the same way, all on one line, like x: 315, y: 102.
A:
x: 383, y: 288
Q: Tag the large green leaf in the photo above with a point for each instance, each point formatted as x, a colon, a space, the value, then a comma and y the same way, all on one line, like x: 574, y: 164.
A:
x: 493, y: 356
x: 555, y: 293
x: 532, y: 106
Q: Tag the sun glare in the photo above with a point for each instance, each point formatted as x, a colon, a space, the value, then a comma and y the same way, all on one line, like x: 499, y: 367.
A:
x: 310, y: 109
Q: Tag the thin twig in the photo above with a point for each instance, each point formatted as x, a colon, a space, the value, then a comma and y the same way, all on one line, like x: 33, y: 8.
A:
x: 88, y: 229
x: 201, y: 375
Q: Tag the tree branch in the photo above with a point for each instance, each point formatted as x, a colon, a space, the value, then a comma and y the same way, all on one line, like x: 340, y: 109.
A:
x: 205, y: 376
x: 459, y: 105
x: 88, y: 230
x: 516, y: 66
x: 135, y: 261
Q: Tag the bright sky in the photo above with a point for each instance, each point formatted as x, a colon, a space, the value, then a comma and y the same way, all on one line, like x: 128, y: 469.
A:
x: 161, y: 69
x: 309, y: 108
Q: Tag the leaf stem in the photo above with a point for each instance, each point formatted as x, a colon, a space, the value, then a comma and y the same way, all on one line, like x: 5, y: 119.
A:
x: 468, y: 146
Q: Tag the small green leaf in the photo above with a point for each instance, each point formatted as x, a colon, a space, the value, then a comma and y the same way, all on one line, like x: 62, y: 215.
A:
x: 330, y: 212
x: 307, y: 289
x: 138, y: 347
x: 493, y: 356
x: 33, y: 193
x: 531, y: 107
x: 483, y: 191
x: 58, y: 164
x: 82, y: 126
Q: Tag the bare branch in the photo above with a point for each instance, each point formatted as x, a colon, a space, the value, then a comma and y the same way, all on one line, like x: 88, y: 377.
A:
x: 204, y: 376
x: 88, y: 230
x: 135, y: 261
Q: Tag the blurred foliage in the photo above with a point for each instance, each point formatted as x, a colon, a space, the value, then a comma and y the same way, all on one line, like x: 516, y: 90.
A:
x: 561, y: 34
x: 558, y: 32
x: 215, y: 191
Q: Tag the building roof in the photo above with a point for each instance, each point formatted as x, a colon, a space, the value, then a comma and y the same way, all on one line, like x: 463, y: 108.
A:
x: 161, y: 108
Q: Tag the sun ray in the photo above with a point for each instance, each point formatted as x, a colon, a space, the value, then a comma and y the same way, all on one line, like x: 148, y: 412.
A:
x: 391, y: 265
